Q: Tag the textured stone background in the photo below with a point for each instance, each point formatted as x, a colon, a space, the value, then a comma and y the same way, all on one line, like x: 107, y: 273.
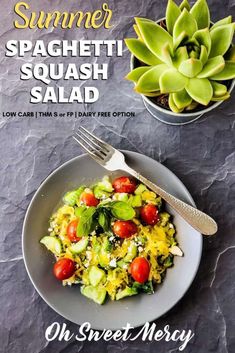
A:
x: 201, y: 154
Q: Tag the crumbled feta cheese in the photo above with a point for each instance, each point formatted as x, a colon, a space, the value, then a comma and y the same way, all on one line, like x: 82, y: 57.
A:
x: 113, y: 263
x: 89, y: 248
x: 93, y: 233
x: 140, y: 248
x: 89, y: 255
x: 175, y: 250
x: 88, y: 190
x: 107, y: 200
x: 50, y: 229
x: 111, y: 238
x: 171, y: 225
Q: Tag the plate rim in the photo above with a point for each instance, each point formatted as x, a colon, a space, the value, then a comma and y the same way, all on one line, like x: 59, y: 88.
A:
x: 83, y: 155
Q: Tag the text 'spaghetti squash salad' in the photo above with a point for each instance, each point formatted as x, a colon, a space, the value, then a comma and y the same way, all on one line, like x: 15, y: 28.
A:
x: 112, y: 238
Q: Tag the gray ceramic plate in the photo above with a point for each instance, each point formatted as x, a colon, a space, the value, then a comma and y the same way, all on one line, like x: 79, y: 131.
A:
x: 68, y: 301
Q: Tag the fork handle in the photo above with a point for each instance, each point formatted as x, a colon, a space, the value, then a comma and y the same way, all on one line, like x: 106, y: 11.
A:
x: 197, y: 219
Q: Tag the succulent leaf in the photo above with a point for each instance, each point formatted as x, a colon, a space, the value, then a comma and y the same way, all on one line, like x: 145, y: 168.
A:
x: 212, y: 67
x: 172, y: 104
x: 143, y: 19
x: 182, y: 99
x: 203, y: 55
x: 166, y: 54
x: 190, y: 67
x: 203, y: 38
x: 149, y: 94
x: 185, y: 23
x: 221, y: 38
x: 230, y: 55
x: 193, y: 42
x: 217, y: 99
x: 219, y: 90
x: 191, y: 106
x: 224, y: 21
x: 149, y: 81
x: 135, y: 74
x: 172, y: 81
x: 201, y: 13
x: 228, y: 73
x: 181, y: 54
x: 200, y: 90
x: 137, y: 32
x: 181, y: 38
x: 184, y: 4
x: 172, y: 13
x: 193, y: 54
x: 150, y: 30
x: 141, y: 52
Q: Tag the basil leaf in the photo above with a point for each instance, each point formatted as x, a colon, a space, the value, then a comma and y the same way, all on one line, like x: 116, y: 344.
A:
x: 146, y: 287
x: 87, y: 222
x: 121, y: 210
x: 79, y: 210
x: 104, y: 219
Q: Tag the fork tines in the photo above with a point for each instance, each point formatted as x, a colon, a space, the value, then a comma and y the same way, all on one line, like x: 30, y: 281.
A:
x: 97, y: 148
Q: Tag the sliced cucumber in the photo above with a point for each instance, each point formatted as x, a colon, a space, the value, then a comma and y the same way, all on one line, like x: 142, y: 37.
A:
x: 104, y: 258
x: 164, y: 218
x: 96, y: 275
x: 136, y: 201
x: 97, y: 294
x: 132, y: 252
x: 107, y: 245
x: 71, y: 197
x: 104, y: 254
x: 127, y: 292
x: 149, y: 196
x: 52, y: 243
x: 106, y: 184
x: 100, y: 193
x: 80, y: 246
x: 121, y: 264
x: 140, y: 188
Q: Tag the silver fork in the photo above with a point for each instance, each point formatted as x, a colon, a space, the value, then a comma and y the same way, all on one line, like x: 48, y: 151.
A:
x: 112, y: 159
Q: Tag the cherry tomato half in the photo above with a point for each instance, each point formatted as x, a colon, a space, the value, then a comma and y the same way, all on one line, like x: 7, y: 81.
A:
x: 72, y: 231
x: 64, y: 268
x: 149, y: 214
x: 89, y: 199
x: 140, y: 269
x: 124, y: 184
x: 124, y: 229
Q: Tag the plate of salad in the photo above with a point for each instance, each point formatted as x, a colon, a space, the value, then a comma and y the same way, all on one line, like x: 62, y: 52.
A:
x: 99, y: 247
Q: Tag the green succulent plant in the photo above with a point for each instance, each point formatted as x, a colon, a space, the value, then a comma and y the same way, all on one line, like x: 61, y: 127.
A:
x: 185, y: 56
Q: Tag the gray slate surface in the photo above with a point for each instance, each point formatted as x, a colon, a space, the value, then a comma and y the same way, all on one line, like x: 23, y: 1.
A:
x: 201, y: 154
